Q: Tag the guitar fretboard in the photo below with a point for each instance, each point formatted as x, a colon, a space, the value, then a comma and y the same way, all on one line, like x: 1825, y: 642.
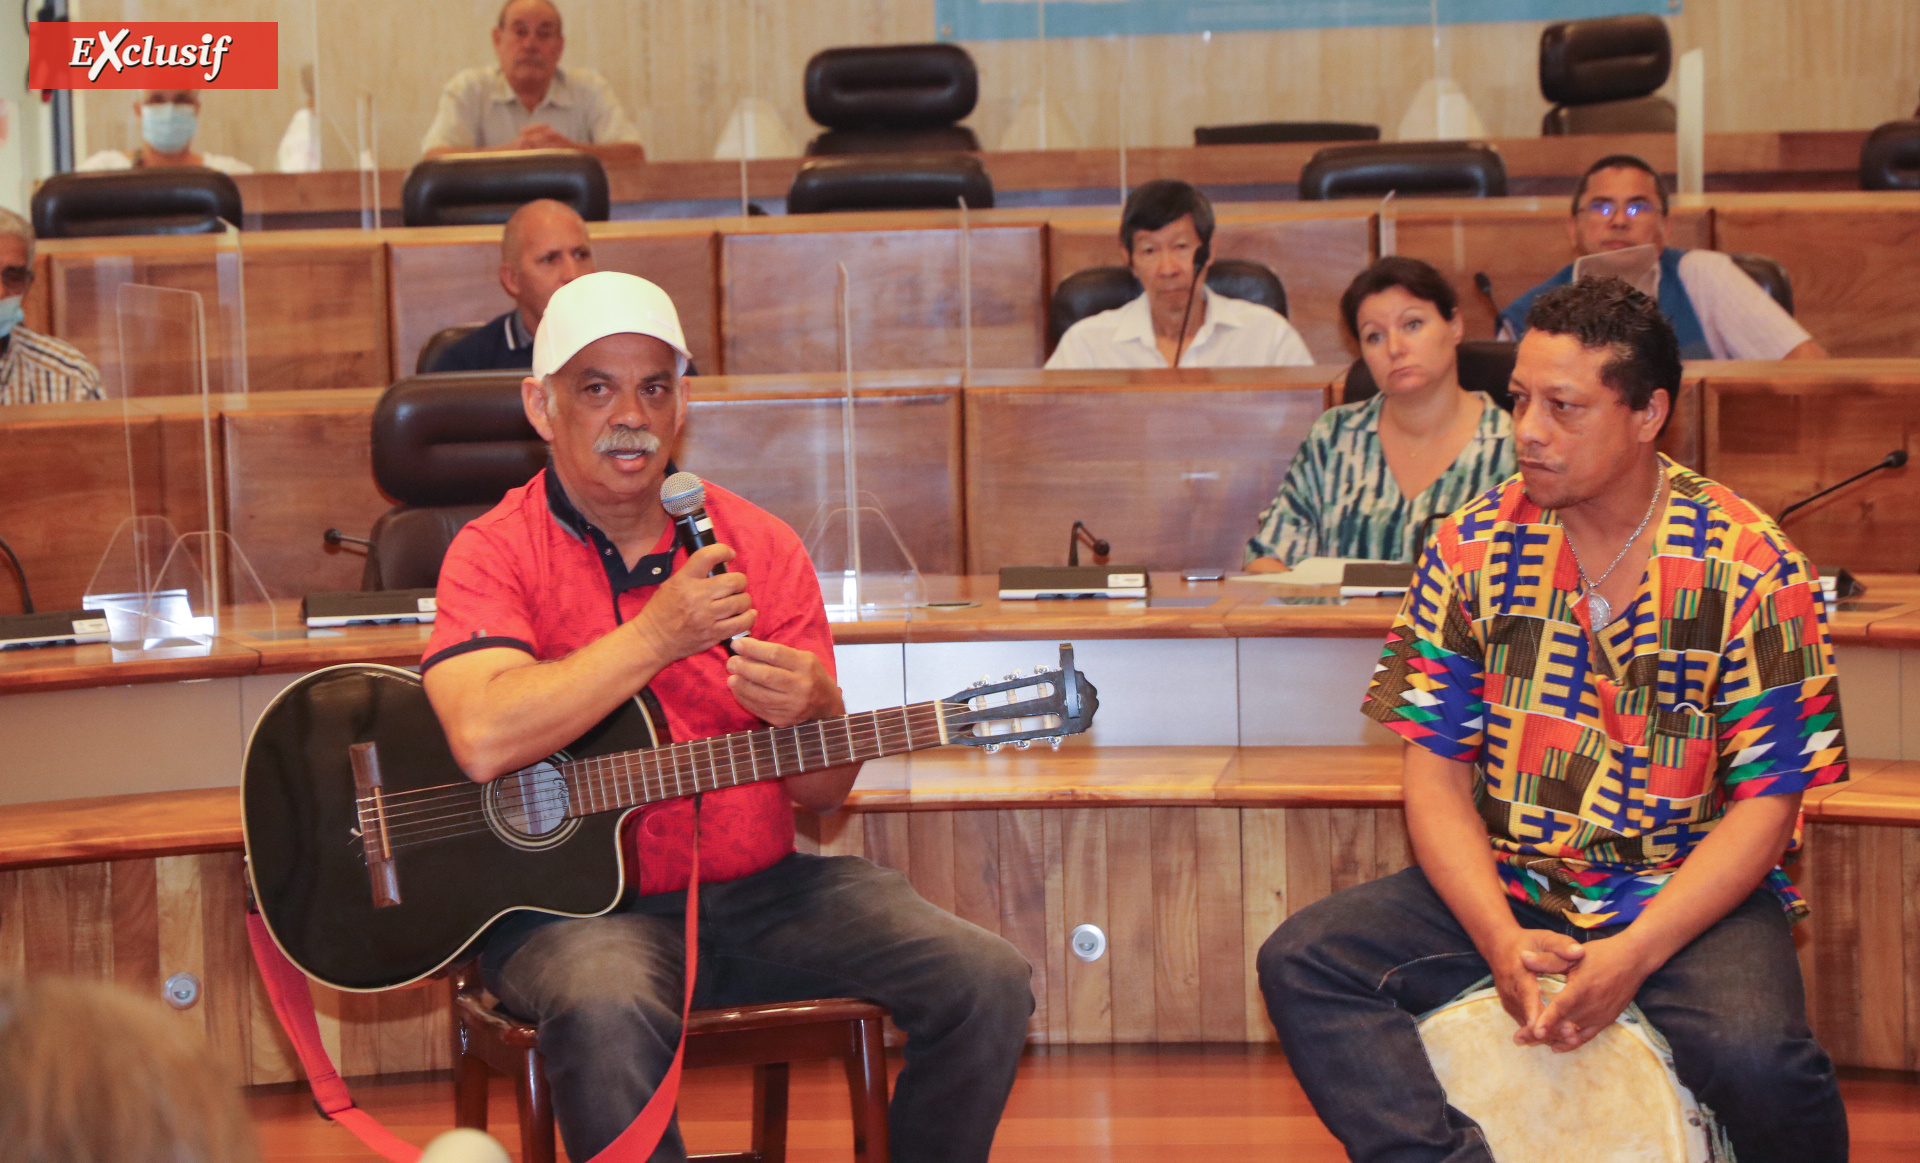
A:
x: 628, y: 778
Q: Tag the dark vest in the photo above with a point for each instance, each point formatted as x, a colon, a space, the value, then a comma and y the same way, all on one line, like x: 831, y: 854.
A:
x: 1674, y: 304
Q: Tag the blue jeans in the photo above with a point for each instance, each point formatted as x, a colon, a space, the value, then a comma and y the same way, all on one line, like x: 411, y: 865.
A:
x: 606, y: 994
x: 1345, y: 977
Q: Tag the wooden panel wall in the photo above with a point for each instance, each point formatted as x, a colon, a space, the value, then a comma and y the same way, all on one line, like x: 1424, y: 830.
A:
x: 680, y: 69
x: 447, y: 277
x: 779, y: 298
x: 1315, y: 258
x: 1851, y: 261
x: 1185, y: 896
x: 137, y: 922
x: 1862, y: 961
x: 1777, y: 439
x: 1172, y: 475
x: 785, y: 455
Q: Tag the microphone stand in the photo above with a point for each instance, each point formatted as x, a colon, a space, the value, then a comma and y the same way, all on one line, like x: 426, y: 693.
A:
x: 1894, y: 459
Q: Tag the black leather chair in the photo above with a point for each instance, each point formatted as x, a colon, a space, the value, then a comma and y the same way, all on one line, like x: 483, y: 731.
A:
x: 1281, y: 132
x: 441, y: 340
x: 484, y: 189
x: 1426, y: 169
x: 1600, y: 76
x: 903, y: 98
x: 1485, y: 365
x: 912, y: 181
x: 447, y: 447
x: 1770, y: 275
x: 167, y: 200
x: 1890, y: 159
x: 1098, y: 289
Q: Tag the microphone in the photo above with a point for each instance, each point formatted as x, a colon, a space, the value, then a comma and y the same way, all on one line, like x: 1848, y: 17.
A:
x: 1485, y: 287
x: 684, y: 497
x: 1081, y: 534
x: 1895, y: 459
x: 1200, y: 256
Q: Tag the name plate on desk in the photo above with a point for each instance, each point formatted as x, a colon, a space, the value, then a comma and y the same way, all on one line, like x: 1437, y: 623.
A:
x: 364, y: 607
x: 52, y: 628
x: 1032, y: 582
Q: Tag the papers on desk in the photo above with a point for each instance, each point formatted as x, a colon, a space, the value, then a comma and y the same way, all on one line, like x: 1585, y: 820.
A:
x: 1357, y: 578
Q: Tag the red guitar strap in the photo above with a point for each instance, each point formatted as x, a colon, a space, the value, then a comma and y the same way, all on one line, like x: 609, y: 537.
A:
x: 293, y: 1002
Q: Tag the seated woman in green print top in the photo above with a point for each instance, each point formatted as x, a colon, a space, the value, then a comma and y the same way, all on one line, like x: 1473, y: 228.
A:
x: 1369, y: 474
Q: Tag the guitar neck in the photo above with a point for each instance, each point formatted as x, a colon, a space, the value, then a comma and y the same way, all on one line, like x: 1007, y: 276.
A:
x: 627, y: 779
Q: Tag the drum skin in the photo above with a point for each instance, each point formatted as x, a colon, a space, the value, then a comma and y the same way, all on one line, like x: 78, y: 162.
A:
x: 1614, y: 1100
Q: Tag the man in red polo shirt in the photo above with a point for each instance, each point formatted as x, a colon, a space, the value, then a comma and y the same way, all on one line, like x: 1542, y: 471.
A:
x: 563, y: 603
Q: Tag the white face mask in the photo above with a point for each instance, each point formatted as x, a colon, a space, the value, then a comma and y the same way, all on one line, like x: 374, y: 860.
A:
x: 168, y: 128
x: 11, y: 315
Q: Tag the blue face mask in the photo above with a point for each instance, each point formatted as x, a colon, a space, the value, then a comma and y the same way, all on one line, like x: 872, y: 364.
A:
x: 168, y: 128
x: 11, y: 315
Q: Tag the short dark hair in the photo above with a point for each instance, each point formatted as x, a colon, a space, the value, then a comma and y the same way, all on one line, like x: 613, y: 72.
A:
x: 1160, y: 203
x: 1612, y: 314
x: 1621, y: 161
x: 1412, y: 275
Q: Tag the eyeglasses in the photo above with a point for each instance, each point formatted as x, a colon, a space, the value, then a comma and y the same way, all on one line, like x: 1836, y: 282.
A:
x: 1604, y: 209
x: 14, y: 280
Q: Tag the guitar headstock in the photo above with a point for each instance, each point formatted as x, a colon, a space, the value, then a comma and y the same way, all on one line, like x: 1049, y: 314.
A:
x: 1045, y: 704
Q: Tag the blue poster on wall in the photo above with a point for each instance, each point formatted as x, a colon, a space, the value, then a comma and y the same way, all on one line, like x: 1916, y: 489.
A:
x: 1021, y: 19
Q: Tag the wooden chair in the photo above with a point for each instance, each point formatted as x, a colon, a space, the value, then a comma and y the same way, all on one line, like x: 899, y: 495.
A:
x: 765, y: 1037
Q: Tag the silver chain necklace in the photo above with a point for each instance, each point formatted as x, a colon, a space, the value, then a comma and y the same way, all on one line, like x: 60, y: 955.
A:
x: 1600, y: 611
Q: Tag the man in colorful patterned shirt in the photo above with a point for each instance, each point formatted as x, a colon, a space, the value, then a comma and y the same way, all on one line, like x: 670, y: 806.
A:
x: 1615, y: 681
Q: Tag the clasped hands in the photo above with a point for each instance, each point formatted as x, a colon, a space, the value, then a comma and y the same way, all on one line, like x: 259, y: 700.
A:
x: 1602, y: 977
x: 693, y: 612
x: 538, y: 135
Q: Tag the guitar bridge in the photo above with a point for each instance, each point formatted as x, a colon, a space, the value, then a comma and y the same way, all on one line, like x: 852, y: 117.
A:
x: 371, y: 808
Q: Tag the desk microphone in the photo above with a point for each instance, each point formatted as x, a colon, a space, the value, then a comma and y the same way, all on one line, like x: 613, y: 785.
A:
x: 1894, y: 459
x: 1201, y: 254
x: 684, y: 497
x: 1081, y: 535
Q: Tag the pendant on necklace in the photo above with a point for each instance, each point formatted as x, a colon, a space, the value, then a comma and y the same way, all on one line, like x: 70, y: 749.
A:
x: 1598, y: 611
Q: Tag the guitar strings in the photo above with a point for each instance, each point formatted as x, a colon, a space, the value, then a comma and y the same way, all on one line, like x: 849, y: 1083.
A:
x: 424, y: 823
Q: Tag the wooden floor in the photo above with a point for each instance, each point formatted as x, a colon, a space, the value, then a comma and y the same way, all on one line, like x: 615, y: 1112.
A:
x: 1083, y: 1104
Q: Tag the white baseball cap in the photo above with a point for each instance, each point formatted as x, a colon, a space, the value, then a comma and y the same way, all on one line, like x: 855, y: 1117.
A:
x: 598, y: 305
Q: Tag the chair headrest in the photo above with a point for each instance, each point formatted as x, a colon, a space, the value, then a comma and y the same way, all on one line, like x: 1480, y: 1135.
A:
x: 1771, y: 276
x: 454, y: 439
x: 908, y: 181
x: 1088, y: 292
x: 1275, y: 132
x: 484, y: 189
x: 1243, y: 278
x: 897, y: 86
x: 1458, y: 169
x: 166, y: 200
x: 1609, y: 59
x: 1890, y: 159
x: 1484, y: 365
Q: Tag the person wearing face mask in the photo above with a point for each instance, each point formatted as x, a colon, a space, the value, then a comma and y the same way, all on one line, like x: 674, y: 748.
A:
x: 1369, y: 474
x: 168, y: 119
x: 1715, y: 308
x: 34, y: 368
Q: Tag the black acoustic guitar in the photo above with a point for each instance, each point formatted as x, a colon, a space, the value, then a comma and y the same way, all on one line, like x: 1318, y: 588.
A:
x: 374, y: 860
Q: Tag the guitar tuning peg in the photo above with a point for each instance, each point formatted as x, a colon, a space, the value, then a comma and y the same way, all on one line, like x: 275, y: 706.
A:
x: 993, y: 748
x: 983, y: 680
x: 1023, y: 744
x: 1055, y: 741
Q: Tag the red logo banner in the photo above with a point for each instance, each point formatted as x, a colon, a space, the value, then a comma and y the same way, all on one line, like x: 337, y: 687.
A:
x: 154, y: 55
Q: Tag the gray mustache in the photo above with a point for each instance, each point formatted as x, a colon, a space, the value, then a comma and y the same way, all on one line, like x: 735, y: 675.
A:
x: 626, y: 440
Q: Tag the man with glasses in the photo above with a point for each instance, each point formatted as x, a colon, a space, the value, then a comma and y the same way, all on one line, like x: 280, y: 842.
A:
x: 528, y: 101
x: 1717, y: 310
x: 34, y: 368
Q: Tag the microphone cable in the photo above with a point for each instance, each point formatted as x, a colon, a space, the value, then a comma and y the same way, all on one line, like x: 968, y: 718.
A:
x: 26, y: 592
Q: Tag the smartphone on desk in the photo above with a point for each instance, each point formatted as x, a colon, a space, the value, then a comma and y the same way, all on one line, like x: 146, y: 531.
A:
x: 1203, y: 575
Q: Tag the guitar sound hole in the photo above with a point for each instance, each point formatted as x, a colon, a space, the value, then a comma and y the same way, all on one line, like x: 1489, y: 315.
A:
x: 528, y: 809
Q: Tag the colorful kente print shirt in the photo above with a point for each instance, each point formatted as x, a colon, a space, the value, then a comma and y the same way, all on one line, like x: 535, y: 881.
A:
x: 1339, y: 498
x: 1601, y: 760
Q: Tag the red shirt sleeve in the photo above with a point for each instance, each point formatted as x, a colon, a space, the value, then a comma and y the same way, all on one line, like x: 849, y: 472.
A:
x: 482, y: 598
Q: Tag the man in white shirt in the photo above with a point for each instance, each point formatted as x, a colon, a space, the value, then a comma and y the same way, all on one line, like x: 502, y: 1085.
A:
x: 1717, y: 311
x: 527, y: 101
x: 1167, y: 230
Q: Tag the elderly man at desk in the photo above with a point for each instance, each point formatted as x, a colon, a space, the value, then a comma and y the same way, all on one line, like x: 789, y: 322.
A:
x: 1716, y: 309
x: 543, y: 248
x: 34, y: 368
x: 528, y: 101
x: 1166, y: 228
